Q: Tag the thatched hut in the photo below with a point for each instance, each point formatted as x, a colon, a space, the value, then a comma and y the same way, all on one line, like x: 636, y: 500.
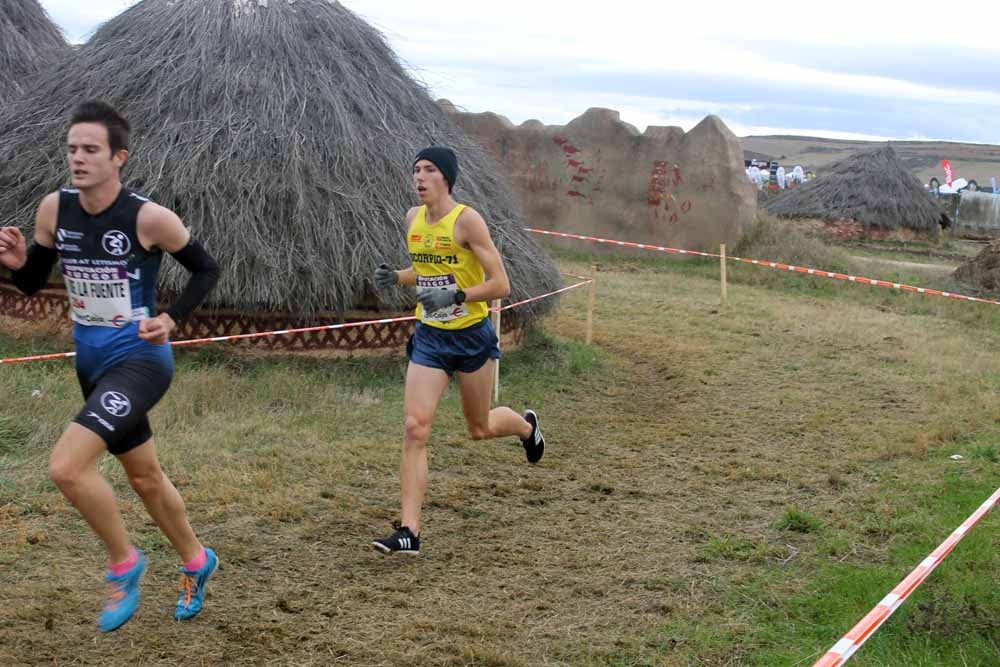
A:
x: 29, y: 42
x: 873, y: 188
x: 282, y: 132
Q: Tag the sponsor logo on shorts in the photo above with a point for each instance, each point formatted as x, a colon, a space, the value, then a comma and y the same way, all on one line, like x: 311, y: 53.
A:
x: 116, y: 403
x: 116, y: 243
x: 100, y: 420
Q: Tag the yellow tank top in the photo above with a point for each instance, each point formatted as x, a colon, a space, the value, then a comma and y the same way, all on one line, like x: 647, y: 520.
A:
x: 440, y: 262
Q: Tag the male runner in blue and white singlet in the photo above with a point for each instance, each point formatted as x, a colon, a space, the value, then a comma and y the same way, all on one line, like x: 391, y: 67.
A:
x: 111, y: 242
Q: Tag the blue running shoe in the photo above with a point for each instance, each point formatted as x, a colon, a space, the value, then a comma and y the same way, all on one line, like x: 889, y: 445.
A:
x: 192, y: 587
x: 123, y: 596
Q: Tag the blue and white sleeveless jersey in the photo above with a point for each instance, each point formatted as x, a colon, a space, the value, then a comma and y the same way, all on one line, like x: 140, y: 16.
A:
x: 110, y: 279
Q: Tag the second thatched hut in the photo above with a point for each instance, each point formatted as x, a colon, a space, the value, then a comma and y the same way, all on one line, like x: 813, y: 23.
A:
x: 872, y: 188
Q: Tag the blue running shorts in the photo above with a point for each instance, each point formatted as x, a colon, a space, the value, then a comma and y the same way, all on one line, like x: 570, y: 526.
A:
x: 462, y: 350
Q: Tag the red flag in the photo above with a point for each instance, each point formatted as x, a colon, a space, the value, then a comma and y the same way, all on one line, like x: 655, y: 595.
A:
x: 948, y: 174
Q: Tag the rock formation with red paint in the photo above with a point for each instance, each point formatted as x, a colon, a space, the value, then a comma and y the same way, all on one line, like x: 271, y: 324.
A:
x: 599, y: 176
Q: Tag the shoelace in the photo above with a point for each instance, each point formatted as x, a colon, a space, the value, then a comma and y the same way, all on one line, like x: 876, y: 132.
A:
x: 116, y: 593
x: 188, y: 586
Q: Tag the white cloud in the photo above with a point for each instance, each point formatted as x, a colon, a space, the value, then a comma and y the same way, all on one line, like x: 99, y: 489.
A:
x: 585, y: 49
x: 488, y: 56
x: 637, y: 24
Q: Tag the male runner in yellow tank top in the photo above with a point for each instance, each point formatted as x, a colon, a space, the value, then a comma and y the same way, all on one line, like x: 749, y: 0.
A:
x: 457, y: 271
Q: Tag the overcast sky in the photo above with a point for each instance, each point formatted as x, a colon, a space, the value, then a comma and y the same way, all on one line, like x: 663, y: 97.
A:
x: 846, y: 69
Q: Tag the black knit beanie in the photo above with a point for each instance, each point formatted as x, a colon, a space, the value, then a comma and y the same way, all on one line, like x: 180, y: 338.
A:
x: 444, y: 159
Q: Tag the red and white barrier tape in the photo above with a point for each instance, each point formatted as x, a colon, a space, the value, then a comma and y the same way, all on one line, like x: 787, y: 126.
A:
x: 285, y: 332
x: 775, y: 265
x: 544, y: 296
x: 40, y: 357
x: 573, y: 275
x: 866, y: 627
x: 624, y: 244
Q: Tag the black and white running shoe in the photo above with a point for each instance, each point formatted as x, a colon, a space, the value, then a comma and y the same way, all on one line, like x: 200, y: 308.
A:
x: 403, y: 541
x: 534, y: 444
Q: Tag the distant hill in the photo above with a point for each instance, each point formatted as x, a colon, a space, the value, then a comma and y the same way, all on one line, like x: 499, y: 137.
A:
x: 970, y: 161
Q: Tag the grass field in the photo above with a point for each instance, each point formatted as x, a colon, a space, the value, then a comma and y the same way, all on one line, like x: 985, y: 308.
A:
x: 722, y: 486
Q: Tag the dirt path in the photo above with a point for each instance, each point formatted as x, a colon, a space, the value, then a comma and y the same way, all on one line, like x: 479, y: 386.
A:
x: 930, y: 267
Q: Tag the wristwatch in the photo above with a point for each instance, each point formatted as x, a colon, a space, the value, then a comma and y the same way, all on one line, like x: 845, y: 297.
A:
x: 459, y: 297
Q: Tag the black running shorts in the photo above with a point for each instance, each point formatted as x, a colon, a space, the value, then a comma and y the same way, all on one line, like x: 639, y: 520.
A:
x: 118, y: 401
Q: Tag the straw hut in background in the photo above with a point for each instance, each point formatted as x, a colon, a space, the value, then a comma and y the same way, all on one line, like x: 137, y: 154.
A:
x: 873, y: 188
x: 29, y: 42
x: 283, y: 133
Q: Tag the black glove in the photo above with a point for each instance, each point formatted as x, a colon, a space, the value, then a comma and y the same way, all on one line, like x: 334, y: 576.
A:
x: 434, y: 299
x: 385, y: 277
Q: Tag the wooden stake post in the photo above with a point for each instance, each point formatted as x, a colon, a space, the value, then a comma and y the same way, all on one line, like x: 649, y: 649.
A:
x: 591, y: 299
x: 722, y: 266
x: 496, y: 365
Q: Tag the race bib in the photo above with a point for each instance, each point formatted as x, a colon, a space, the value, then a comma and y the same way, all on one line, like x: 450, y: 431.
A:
x: 99, y: 296
x: 448, y: 283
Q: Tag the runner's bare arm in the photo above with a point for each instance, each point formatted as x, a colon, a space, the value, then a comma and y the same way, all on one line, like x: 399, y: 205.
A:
x: 45, y: 220
x: 31, y: 266
x: 159, y: 227
x: 471, y: 232
x: 408, y: 276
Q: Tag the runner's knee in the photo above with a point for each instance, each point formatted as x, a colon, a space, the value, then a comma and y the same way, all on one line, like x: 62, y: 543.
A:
x: 148, y: 481
x: 418, y: 429
x: 63, y: 472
